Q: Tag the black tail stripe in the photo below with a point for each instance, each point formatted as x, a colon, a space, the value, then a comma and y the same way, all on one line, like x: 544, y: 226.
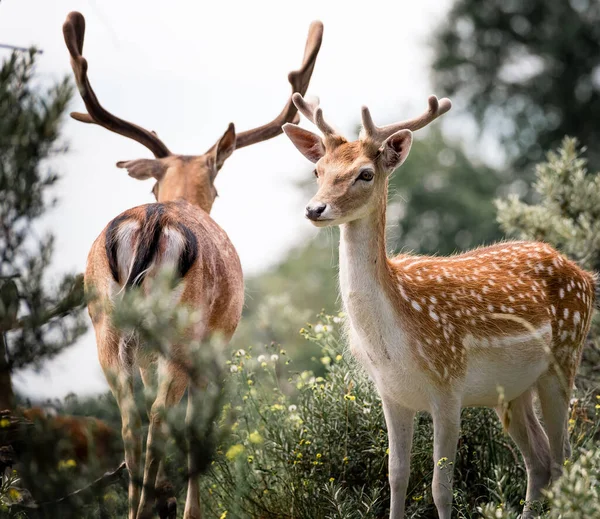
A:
x: 190, y: 250
x: 111, y: 245
x: 147, y: 244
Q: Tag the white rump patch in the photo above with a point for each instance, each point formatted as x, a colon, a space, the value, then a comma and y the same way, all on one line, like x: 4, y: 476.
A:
x: 126, y: 247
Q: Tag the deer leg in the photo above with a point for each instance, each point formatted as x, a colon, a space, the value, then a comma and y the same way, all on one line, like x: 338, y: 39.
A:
x: 121, y: 385
x: 446, y: 429
x: 172, y: 382
x: 399, y: 421
x: 166, y: 501
x: 192, y: 502
x: 527, y: 432
x: 554, y: 401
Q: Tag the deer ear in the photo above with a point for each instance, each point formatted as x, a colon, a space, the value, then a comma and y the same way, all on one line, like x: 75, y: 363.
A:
x: 395, y: 149
x: 308, y: 143
x: 144, y: 168
x: 225, y: 147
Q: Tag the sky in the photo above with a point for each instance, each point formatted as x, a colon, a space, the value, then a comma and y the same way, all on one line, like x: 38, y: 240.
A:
x: 186, y: 69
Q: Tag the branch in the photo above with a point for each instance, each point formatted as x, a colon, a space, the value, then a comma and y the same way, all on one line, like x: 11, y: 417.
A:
x: 74, y: 298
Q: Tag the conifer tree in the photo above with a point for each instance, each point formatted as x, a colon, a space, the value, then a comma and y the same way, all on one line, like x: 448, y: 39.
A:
x: 39, y: 317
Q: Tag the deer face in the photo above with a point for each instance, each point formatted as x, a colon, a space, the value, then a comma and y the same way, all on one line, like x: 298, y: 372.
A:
x: 348, y: 180
x: 352, y: 176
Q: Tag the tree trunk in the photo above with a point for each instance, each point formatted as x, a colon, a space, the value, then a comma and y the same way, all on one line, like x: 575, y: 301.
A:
x: 7, y: 397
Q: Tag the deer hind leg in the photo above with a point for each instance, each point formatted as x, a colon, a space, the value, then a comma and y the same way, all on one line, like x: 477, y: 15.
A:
x: 527, y: 432
x: 554, y: 392
x: 172, y: 381
x: 120, y: 381
x: 166, y: 501
x: 446, y: 429
x: 192, y: 501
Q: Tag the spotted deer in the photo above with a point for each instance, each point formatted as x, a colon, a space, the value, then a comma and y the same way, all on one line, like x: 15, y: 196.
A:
x: 178, y: 233
x: 438, y: 334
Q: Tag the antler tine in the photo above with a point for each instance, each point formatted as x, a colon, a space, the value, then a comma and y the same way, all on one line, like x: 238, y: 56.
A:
x: 379, y: 134
x: 299, y: 80
x: 307, y: 106
x: 313, y: 112
x: 74, y: 32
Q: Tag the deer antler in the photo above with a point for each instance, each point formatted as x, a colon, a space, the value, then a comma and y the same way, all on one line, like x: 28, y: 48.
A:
x: 379, y: 134
x: 313, y: 112
x: 299, y: 79
x: 74, y: 32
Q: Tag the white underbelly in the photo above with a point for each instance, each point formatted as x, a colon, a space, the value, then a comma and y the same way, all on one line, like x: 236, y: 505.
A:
x: 496, y: 371
x: 506, y: 367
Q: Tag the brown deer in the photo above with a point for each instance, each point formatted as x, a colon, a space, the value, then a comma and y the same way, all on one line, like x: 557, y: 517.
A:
x: 177, y: 233
x: 437, y: 334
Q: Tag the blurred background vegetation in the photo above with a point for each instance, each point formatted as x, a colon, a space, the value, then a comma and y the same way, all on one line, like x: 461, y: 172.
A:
x: 307, y: 433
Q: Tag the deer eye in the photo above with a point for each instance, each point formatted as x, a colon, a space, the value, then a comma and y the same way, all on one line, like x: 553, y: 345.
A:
x: 366, y: 175
x: 316, y: 173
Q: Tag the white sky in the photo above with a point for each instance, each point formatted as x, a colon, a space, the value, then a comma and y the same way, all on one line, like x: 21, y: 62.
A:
x: 184, y: 70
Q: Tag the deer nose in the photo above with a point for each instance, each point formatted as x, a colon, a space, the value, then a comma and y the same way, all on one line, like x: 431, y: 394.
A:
x: 315, y: 210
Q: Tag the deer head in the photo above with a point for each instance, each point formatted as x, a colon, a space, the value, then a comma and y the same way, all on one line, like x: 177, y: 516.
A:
x: 181, y: 176
x: 352, y: 176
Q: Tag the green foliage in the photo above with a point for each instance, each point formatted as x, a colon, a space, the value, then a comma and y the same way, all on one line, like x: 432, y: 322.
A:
x: 526, y: 70
x: 567, y: 212
x: 574, y: 496
x: 39, y: 320
x: 442, y: 199
x: 577, y: 493
x: 566, y: 215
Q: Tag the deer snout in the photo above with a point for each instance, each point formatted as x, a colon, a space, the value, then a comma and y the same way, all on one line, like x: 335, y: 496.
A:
x: 314, y: 210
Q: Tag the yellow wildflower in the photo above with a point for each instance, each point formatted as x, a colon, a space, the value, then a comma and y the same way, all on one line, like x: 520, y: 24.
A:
x: 255, y: 437
x: 66, y: 464
x: 234, y: 451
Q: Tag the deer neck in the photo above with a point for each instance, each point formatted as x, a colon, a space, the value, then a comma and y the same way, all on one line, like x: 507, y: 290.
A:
x: 363, y: 258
